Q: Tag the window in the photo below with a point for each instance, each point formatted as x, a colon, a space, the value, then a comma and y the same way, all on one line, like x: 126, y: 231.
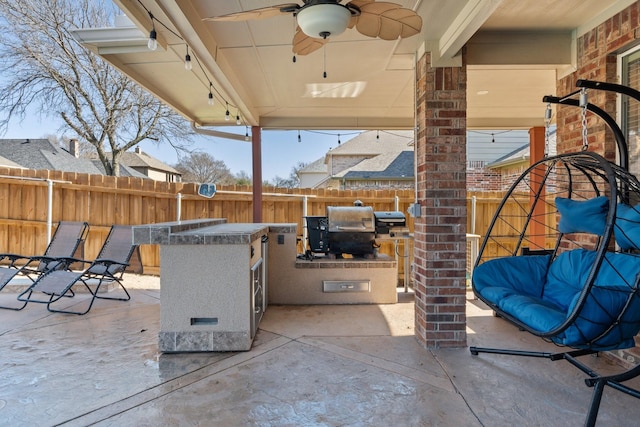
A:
x: 630, y: 108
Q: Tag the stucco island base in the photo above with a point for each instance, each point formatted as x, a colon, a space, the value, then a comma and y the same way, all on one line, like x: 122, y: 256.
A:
x: 328, y: 281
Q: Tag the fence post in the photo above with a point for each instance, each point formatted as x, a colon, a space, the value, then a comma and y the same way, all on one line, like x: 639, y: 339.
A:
x: 49, y: 209
x: 305, y: 200
x: 473, y: 214
x: 178, y: 206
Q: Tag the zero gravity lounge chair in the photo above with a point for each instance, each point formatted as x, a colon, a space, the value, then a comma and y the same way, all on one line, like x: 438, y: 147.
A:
x: 67, y: 240
x: 115, y: 256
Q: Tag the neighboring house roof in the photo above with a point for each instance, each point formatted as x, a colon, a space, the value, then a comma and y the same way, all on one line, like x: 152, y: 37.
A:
x: 522, y: 153
x: 4, y: 162
x: 488, y: 145
x: 371, y: 155
x: 124, y: 170
x: 42, y: 154
x: 140, y: 159
x: 318, y: 166
x: 373, y: 143
x: 382, y: 166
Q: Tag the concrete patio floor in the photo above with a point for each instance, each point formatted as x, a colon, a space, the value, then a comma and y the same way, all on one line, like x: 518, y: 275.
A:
x: 346, y: 365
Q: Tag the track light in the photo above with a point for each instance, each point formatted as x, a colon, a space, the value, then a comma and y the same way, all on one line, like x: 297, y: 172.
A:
x: 227, y: 115
x: 378, y: 136
x: 299, y: 137
x: 246, y: 133
x: 187, y: 61
x: 238, y: 122
x: 338, y: 139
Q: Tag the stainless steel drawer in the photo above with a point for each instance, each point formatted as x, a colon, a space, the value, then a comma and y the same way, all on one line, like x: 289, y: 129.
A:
x: 346, y: 286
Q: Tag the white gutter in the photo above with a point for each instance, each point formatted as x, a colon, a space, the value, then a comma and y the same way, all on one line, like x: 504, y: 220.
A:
x: 217, y: 133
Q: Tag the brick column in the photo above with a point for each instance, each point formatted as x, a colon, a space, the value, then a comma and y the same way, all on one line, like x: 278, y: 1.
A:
x: 440, y: 232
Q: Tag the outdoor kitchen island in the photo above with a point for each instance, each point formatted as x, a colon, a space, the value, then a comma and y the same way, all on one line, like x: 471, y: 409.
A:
x: 217, y: 278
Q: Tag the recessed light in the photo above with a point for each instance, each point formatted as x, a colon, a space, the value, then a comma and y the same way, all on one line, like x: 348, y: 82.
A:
x: 482, y: 92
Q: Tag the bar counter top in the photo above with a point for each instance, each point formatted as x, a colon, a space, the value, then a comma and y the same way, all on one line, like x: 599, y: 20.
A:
x: 204, y: 232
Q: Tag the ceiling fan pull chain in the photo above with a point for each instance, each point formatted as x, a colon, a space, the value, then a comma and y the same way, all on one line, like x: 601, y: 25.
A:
x: 324, y: 51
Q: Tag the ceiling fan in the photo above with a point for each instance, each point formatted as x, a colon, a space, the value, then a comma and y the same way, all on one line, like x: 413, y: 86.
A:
x: 320, y: 19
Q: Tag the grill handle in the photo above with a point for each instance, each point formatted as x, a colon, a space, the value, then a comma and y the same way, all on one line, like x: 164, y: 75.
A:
x: 361, y: 228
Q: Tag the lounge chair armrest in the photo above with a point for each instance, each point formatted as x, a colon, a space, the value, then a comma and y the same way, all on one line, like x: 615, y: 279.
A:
x: 108, y: 262
x: 13, y: 257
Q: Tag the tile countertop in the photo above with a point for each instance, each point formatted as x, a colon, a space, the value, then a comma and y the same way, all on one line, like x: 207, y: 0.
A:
x: 205, y: 232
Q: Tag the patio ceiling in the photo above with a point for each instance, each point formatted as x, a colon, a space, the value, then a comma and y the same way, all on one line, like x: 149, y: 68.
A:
x: 515, y: 50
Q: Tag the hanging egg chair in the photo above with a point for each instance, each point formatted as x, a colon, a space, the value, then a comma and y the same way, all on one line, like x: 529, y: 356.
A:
x: 561, y: 257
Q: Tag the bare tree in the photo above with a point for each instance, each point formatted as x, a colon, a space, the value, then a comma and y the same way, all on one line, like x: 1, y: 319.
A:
x: 43, y: 66
x: 243, y: 178
x: 293, y: 181
x: 203, y: 168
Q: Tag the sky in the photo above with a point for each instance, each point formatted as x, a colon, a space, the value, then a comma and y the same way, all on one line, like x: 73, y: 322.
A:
x: 281, y: 150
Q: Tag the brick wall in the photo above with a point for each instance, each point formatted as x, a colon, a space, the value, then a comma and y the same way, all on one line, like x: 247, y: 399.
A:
x: 440, y: 232
x: 482, y: 179
x: 597, y: 59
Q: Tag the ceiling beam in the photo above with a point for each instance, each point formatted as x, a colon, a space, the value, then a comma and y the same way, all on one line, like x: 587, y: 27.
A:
x: 465, y: 25
x: 521, y: 48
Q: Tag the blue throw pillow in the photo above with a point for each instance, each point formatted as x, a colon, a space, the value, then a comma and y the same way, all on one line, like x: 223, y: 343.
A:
x: 627, y: 228
x: 588, y: 216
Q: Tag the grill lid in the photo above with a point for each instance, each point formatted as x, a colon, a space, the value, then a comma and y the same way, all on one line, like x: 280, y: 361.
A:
x: 351, y: 219
x: 390, y: 218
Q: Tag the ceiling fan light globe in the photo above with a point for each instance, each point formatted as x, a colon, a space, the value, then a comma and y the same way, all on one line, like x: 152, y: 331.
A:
x: 324, y: 19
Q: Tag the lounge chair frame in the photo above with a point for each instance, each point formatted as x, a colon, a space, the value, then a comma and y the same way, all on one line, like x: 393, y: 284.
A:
x: 107, y: 268
x: 67, y: 241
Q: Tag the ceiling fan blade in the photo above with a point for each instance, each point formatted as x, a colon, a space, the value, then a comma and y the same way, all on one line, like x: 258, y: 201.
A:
x: 304, y: 45
x: 264, y: 12
x: 387, y: 21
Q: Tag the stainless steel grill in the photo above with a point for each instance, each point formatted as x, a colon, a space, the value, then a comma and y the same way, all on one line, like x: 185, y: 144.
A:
x: 351, y: 230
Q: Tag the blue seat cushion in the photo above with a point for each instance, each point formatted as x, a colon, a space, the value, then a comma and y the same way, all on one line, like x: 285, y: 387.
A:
x: 603, y: 305
x: 567, y: 275
x: 536, y: 313
x: 627, y: 226
x: 500, y: 277
x: 543, y: 298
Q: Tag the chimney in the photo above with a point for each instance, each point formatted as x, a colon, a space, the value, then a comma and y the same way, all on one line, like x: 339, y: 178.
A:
x: 74, y: 148
x: 138, y: 150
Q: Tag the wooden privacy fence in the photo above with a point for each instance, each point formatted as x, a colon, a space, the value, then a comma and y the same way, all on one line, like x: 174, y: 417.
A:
x: 485, y: 204
x: 102, y: 201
